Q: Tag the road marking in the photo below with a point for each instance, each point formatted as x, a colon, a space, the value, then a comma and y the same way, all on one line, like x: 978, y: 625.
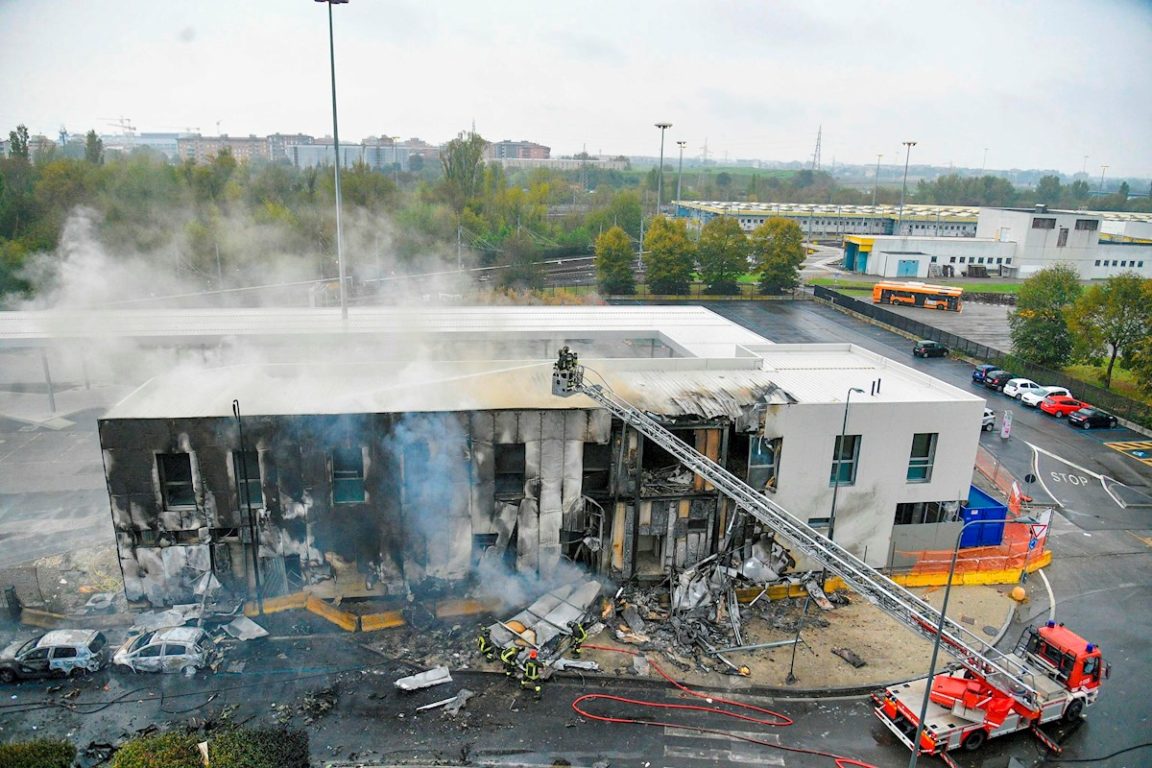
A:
x: 1037, y: 450
x: 692, y: 733
x: 1141, y: 450
x: 717, y: 756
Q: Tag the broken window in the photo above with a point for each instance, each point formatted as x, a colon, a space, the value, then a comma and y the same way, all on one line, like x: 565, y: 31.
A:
x: 347, y: 475
x: 922, y: 457
x: 845, y: 457
x: 510, y: 466
x: 176, y: 479
x: 597, y: 467
x: 764, y: 462
x: 247, y: 466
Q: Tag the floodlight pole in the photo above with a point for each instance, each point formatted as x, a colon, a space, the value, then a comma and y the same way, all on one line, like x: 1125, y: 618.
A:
x: 336, y: 146
x: 680, y: 172
x: 660, y: 180
x: 904, y: 186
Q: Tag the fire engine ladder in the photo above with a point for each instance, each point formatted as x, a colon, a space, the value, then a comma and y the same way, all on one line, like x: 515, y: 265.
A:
x: 1000, y: 670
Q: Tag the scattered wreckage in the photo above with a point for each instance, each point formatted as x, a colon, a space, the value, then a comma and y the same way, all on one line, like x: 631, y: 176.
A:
x: 168, y: 650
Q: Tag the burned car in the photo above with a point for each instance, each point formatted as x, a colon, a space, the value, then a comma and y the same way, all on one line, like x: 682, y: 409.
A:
x: 57, y: 653
x: 172, y: 649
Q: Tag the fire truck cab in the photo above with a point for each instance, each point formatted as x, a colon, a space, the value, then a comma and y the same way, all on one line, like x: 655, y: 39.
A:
x: 965, y: 709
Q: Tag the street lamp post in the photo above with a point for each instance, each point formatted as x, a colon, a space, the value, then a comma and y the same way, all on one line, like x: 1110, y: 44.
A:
x: 336, y: 146
x: 839, y: 453
x: 940, y: 632
x: 1100, y: 192
x: 984, y: 162
x: 904, y: 186
x: 876, y: 182
x: 680, y: 172
x: 660, y: 180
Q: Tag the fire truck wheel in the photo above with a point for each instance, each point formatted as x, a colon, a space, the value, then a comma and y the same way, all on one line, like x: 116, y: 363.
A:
x: 975, y: 740
x: 1075, y: 709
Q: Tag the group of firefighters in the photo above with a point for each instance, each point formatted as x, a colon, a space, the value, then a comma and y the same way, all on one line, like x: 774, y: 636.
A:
x: 530, y: 670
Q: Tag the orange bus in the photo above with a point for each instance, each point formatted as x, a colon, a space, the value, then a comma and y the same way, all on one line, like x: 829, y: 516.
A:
x: 918, y: 295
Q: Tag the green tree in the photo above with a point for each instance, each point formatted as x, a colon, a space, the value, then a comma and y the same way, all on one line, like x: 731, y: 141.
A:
x: 722, y: 254
x: 616, y: 209
x: 18, y: 143
x: 94, y: 148
x: 463, y: 164
x: 668, y: 257
x: 1079, y: 190
x: 778, y: 252
x: 614, y: 258
x: 1112, y: 318
x: 1048, y: 190
x: 1040, y: 331
x: 362, y: 187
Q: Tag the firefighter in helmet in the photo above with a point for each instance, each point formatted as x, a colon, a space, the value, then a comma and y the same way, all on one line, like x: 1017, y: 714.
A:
x: 508, y: 659
x: 484, y: 645
x: 531, y: 678
x: 579, y: 637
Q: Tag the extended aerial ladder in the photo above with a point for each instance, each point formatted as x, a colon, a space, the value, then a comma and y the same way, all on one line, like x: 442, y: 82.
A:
x: 1002, y: 671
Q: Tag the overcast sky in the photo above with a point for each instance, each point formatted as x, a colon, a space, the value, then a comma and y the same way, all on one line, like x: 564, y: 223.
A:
x: 1039, y: 84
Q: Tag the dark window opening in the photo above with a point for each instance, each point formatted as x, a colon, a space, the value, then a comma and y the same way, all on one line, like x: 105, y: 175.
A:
x: 662, y: 473
x: 247, y: 466
x: 922, y: 457
x: 347, y: 475
x: 1062, y: 240
x: 1039, y: 223
x: 764, y: 462
x: 1089, y: 225
x: 597, y: 467
x: 176, y: 479
x: 510, y: 466
x: 64, y: 652
x: 918, y: 512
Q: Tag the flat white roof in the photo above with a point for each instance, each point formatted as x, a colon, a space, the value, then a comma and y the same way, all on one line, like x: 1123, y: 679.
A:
x: 691, y: 331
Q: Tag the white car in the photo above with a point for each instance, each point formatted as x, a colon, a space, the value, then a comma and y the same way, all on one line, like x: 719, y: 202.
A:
x: 1018, y: 387
x: 175, y: 649
x: 989, y: 422
x: 1032, y: 399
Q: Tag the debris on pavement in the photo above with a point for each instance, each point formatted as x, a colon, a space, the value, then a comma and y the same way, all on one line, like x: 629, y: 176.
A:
x: 583, y: 665
x: 452, y: 705
x: 243, y: 628
x: 426, y: 679
x: 849, y: 656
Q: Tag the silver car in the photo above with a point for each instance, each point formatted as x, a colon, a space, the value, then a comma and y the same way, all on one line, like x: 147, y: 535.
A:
x: 174, y: 649
x: 57, y: 653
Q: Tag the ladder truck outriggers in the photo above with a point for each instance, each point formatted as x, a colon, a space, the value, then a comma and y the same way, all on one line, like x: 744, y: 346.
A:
x: 1052, y: 673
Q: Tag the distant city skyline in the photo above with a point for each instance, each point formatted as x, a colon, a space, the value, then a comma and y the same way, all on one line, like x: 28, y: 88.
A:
x: 1028, y: 85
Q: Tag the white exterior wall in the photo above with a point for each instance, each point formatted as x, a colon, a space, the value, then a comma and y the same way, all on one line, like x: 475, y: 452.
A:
x: 1115, y: 258
x: 865, y: 511
x: 1140, y: 230
x: 1037, y: 249
x: 888, y: 252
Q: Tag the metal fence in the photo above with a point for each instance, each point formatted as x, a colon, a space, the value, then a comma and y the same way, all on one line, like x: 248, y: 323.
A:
x: 1123, y: 407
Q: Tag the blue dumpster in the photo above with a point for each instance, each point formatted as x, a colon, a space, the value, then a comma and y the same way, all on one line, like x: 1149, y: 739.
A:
x: 981, y: 506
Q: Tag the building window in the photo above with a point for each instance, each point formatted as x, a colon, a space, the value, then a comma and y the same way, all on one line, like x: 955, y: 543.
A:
x: 247, y: 467
x: 347, y: 475
x: 981, y: 261
x: 1062, y: 240
x: 1124, y: 263
x: 999, y: 259
x: 951, y: 259
x: 510, y: 470
x: 1113, y: 262
x: 1140, y: 264
x: 845, y: 457
x: 918, y: 512
x: 1039, y: 223
x: 933, y: 259
x: 1008, y: 260
x: 1097, y: 262
x: 597, y: 468
x: 764, y: 462
x: 962, y: 259
x: 1087, y: 224
x: 176, y: 479
x: 922, y: 457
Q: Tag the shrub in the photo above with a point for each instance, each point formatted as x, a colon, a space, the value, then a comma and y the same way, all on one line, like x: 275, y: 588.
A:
x: 163, y: 750
x: 259, y: 748
x: 41, y: 753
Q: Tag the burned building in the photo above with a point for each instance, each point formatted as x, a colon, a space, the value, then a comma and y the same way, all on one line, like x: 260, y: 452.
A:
x: 354, y: 479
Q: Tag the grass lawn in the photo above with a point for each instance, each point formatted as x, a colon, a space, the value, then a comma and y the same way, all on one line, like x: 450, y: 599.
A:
x: 1123, y: 381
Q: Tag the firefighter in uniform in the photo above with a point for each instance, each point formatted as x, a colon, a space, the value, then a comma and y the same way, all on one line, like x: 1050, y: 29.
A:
x: 508, y: 658
x: 531, y: 677
x: 579, y: 637
x: 484, y: 646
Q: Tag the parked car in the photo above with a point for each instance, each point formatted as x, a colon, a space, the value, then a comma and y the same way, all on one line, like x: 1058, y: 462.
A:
x: 1033, y: 399
x: 173, y: 649
x: 997, y: 379
x: 1017, y: 387
x: 1061, y: 405
x: 928, y: 348
x: 54, y: 654
x: 989, y: 422
x: 980, y: 371
x: 1088, y: 418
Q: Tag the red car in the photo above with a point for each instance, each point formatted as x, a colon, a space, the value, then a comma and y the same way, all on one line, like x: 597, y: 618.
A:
x: 1062, y: 405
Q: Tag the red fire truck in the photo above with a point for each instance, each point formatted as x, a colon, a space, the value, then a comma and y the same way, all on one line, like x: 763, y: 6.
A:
x: 966, y: 709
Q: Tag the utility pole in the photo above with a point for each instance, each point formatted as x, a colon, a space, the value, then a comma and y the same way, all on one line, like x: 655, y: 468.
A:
x: 680, y: 172
x: 660, y: 180
x: 336, y: 146
x: 904, y: 186
x: 984, y: 162
x: 1100, y: 192
x: 876, y: 181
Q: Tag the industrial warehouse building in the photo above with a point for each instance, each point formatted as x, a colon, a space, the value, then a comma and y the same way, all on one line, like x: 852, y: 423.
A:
x: 409, y: 473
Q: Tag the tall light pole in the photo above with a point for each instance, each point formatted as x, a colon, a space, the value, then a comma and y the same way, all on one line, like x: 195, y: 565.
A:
x: 660, y: 181
x: 1100, y: 192
x: 940, y: 632
x: 839, y: 454
x: 680, y: 172
x: 336, y: 146
x: 904, y: 186
x: 876, y: 181
x: 984, y: 162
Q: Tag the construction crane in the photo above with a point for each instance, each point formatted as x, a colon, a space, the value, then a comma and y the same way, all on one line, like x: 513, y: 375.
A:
x: 1013, y: 678
x: 123, y: 123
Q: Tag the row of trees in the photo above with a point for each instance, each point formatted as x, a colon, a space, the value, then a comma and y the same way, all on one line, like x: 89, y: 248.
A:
x: 1057, y: 320
x: 721, y: 257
